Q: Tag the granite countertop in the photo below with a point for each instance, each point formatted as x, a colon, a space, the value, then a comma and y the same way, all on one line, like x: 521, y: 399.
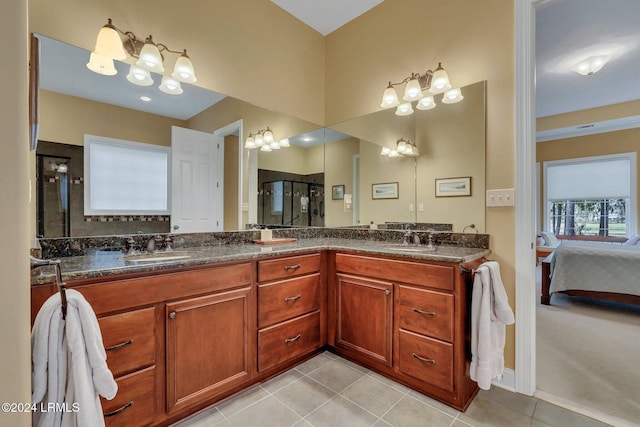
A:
x: 104, y: 263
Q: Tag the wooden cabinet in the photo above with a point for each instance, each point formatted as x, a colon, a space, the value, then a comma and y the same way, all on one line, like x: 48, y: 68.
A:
x: 207, y: 347
x: 129, y: 341
x: 406, y: 319
x: 364, y: 317
x: 291, y: 309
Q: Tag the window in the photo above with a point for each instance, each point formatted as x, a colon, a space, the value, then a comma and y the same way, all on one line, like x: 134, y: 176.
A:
x: 125, y: 178
x: 591, y: 196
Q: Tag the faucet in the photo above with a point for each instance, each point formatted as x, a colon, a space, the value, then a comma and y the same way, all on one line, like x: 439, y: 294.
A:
x: 430, y: 245
x: 154, y: 243
x: 411, y: 238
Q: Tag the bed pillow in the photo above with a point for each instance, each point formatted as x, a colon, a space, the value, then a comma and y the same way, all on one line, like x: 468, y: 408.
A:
x: 633, y: 240
x: 550, y: 239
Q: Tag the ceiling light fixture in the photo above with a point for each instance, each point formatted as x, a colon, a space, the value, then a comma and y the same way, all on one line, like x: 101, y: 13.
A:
x: 591, y: 65
x: 109, y: 47
x: 433, y: 82
x: 404, y: 147
x: 265, y: 141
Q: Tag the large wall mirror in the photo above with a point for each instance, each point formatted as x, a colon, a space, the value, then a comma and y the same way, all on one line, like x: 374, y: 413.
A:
x: 308, y: 183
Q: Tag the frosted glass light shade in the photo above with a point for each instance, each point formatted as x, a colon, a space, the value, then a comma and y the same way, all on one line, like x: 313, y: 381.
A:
x: 404, y: 109
x: 268, y: 136
x: 266, y: 148
x: 426, y: 103
x: 452, y: 96
x: 402, y: 146
x: 385, y: 151
x: 389, y: 98
x: 183, y: 70
x: 139, y: 76
x: 170, y: 86
x: 413, y: 91
x: 259, y: 140
x: 250, y: 143
x: 109, y: 43
x: 439, y: 81
x: 590, y: 65
x: 274, y: 145
x: 150, y: 58
x: 284, y: 142
x: 101, y: 64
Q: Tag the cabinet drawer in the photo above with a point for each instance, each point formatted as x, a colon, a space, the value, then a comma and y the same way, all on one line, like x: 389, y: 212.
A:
x: 134, y: 405
x: 426, y: 312
x: 129, y: 339
x: 288, y: 340
x: 288, y: 267
x: 278, y: 301
x: 427, y: 359
x: 431, y: 275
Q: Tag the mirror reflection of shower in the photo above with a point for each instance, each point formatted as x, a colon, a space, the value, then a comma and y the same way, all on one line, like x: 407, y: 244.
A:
x: 291, y: 203
x: 52, y: 196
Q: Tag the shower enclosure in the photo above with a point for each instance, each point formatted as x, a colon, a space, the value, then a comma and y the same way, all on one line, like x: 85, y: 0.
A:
x: 292, y: 203
x: 52, y: 195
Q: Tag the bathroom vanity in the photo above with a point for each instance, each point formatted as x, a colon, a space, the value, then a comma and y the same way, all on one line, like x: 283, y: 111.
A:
x: 183, y: 334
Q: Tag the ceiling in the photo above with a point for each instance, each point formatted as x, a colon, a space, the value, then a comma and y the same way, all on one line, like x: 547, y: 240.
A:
x: 570, y: 30
x: 566, y: 31
x: 326, y: 16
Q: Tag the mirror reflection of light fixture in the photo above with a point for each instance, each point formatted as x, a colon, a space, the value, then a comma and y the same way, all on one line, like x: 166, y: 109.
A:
x: 421, y: 88
x: 109, y: 46
x: 404, y: 147
x: 591, y: 65
x: 265, y: 141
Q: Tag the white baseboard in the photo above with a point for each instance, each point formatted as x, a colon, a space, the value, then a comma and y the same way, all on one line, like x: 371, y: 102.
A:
x: 584, y: 410
x: 507, y: 381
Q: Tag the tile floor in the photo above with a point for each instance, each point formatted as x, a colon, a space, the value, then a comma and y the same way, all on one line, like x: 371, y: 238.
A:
x: 333, y: 392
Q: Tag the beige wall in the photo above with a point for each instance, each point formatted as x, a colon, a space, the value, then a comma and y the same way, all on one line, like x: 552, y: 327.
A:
x: 623, y: 141
x: 15, y: 353
x: 474, y: 41
x: 338, y: 170
x: 66, y: 119
x: 247, y: 49
x: 607, y: 112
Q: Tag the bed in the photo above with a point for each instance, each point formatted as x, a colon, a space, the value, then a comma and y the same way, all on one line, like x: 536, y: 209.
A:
x: 595, y: 270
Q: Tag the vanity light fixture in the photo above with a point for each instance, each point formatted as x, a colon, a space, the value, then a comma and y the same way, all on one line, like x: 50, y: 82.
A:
x: 265, y: 141
x: 109, y: 46
x: 421, y: 88
x: 404, y: 147
x: 591, y: 65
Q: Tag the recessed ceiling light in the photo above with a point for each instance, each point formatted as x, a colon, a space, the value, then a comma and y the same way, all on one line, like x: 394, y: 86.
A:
x: 146, y: 98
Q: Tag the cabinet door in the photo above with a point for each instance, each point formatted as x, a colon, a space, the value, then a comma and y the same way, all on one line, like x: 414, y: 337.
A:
x: 208, y: 346
x: 364, y: 317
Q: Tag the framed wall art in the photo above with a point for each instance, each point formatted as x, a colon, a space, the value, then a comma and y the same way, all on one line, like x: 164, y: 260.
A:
x: 386, y: 190
x: 453, y: 187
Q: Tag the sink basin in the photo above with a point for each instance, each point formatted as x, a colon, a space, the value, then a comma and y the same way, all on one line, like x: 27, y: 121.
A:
x: 158, y: 256
x: 408, y: 248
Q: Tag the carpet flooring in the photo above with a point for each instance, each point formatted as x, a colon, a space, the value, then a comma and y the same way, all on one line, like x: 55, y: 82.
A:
x: 588, y: 355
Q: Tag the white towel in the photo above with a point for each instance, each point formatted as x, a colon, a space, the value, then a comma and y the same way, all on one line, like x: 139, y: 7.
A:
x: 69, y: 364
x: 490, y: 313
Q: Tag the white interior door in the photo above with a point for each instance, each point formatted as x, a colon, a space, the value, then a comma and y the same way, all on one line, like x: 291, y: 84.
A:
x: 197, y: 166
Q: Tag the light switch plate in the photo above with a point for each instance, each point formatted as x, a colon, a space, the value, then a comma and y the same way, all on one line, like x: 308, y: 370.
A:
x: 502, y: 197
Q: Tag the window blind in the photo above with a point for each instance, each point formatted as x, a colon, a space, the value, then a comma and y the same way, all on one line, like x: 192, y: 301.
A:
x: 596, y: 179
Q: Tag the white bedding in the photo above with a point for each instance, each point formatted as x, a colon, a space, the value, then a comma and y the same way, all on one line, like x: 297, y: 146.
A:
x: 596, y: 267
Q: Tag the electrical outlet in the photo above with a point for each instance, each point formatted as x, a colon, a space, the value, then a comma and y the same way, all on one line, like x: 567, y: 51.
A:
x: 503, y: 197
x: 411, y: 207
x: 421, y: 207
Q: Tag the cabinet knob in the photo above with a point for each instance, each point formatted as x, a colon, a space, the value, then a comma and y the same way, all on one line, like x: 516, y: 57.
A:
x: 172, y: 315
x: 176, y: 227
x: 387, y: 292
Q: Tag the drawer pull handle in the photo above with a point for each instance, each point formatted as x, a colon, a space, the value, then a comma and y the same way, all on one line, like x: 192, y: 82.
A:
x: 423, y: 360
x: 297, y: 297
x: 119, y: 346
x: 425, y: 313
x: 117, y: 411
x: 294, y: 339
x: 292, y: 267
